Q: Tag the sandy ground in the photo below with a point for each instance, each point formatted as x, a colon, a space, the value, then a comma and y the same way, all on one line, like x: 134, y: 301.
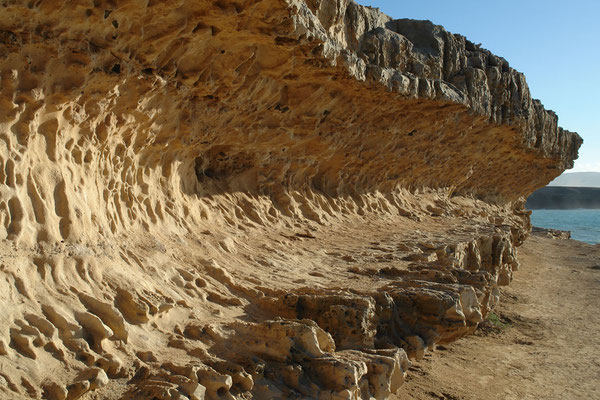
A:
x: 544, y: 343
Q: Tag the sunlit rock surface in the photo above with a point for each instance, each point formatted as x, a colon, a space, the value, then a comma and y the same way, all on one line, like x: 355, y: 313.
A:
x: 257, y: 199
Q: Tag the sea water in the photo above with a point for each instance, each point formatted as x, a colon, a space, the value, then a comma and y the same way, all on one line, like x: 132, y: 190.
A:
x: 583, y: 224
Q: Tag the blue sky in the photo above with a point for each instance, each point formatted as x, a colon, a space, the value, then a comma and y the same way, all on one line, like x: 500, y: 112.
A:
x: 555, y: 43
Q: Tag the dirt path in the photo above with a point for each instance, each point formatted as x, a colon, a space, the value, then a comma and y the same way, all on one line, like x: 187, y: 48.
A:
x: 544, y: 344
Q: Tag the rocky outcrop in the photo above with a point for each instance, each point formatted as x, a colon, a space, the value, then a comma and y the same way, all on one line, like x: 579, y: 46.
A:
x: 268, y: 199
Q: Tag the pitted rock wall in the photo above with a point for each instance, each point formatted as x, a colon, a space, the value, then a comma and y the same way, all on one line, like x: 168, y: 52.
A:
x: 277, y: 198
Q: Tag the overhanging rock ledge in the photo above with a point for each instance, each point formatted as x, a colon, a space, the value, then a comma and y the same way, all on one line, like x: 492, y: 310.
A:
x: 253, y: 199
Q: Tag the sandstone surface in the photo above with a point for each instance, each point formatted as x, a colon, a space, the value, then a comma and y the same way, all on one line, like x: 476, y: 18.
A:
x: 519, y: 354
x: 252, y: 199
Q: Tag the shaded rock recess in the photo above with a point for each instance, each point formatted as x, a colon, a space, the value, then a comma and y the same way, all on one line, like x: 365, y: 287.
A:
x: 253, y: 199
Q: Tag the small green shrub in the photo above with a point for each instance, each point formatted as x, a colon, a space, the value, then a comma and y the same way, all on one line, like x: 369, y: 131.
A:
x: 494, y: 319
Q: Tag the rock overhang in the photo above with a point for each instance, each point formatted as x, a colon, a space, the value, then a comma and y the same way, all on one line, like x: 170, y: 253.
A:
x: 329, y: 186
x: 336, y: 78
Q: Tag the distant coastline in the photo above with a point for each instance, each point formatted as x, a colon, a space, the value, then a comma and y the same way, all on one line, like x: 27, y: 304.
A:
x: 564, y: 198
x: 577, y: 179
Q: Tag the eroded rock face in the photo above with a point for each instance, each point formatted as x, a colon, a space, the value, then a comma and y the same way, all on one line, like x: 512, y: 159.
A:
x: 257, y: 199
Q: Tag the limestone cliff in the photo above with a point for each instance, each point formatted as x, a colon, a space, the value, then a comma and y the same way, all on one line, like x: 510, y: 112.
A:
x: 252, y: 199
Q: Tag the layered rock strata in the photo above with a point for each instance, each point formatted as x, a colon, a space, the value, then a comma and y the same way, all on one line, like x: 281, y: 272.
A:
x: 261, y: 199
